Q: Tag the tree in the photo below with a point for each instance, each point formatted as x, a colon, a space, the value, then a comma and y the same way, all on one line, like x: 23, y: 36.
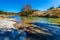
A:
x: 51, y: 8
x: 1, y: 12
x: 59, y: 6
x: 26, y: 10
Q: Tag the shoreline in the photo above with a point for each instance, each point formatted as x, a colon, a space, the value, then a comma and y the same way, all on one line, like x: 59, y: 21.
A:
x: 40, y: 16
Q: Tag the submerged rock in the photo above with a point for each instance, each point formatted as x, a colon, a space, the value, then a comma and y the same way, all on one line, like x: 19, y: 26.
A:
x: 43, y: 31
x: 12, y: 34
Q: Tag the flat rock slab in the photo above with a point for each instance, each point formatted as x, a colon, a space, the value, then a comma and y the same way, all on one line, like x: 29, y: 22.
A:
x: 6, y: 24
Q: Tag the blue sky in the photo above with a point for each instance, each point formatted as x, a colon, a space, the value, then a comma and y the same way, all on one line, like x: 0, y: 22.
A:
x: 16, y: 5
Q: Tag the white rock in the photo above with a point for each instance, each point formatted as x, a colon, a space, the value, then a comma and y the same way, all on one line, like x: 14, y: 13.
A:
x: 7, y: 23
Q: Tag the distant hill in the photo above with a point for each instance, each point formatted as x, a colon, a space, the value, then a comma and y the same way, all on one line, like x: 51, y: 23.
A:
x: 28, y: 11
x: 53, y: 12
x: 7, y: 13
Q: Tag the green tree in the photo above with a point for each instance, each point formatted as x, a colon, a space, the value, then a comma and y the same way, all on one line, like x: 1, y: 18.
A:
x: 51, y: 8
x: 26, y: 10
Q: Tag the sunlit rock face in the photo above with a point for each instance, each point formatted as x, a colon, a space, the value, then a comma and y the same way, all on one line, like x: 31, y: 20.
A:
x: 8, y: 23
x: 38, y: 13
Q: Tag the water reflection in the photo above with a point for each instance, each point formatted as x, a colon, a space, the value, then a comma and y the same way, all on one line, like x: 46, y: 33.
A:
x: 25, y: 20
x: 55, y: 20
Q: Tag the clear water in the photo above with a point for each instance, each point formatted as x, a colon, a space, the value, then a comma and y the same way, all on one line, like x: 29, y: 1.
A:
x: 14, y: 34
x: 18, y: 18
x: 53, y: 31
x: 36, y: 19
x: 25, y: 20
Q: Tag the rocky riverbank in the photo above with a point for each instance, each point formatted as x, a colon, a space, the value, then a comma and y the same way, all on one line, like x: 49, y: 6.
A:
x: 6, y: 22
